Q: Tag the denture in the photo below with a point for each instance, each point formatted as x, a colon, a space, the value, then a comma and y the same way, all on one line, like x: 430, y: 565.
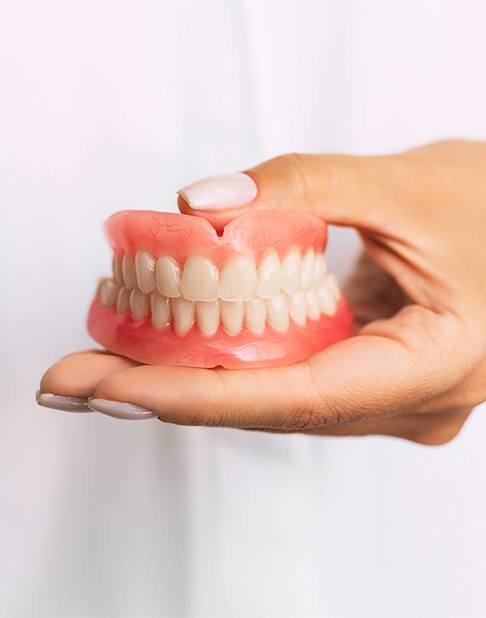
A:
x: 256, y: 295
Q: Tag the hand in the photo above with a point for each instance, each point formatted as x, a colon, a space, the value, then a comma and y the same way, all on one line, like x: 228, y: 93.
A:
x: 417, y: 365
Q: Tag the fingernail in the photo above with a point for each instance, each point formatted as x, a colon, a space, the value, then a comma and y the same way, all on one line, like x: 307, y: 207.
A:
x: 220, y: 192
x: 61, y: 402
x: 118, y: 409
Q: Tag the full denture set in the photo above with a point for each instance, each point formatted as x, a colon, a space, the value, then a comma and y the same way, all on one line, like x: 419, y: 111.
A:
x: 181, y: 294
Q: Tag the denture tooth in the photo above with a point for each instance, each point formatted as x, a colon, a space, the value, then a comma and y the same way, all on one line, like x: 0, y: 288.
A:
x: 298, y: 307
x: 291, y: 271
x: 327, y: 300
x: 256, y: 315
x: 334, y: 286
x: 145, y: 270
x: 207, y: 317
x: 312, y: 302
x: 269, y: 276
x: 232, y: 316
x: 237, y: 279
x: 139, y: 304
x: 123, y: 300
x: 199, y: 279
x: 168, y: 277
x: 117, y: 264
x: 183, y: 312
x: 278, y: 311
x: 319, y: 270
x: 160, y: 310
x: 307, y: 270
x: 129, y: 274
x: 108, y: 292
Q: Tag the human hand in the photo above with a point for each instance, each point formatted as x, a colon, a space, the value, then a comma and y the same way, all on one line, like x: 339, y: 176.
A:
x: 417, y: 365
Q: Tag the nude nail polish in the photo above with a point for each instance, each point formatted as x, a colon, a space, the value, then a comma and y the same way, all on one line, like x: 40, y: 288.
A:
x: 62, y: 402
x: 220, y: 192
x: 119, y: 409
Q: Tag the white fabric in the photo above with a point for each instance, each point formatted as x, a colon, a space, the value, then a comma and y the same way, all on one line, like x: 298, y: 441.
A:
x: 111, y: 104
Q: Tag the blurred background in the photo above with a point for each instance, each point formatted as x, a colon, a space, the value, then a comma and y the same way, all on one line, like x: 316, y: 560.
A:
x: 106, y: 105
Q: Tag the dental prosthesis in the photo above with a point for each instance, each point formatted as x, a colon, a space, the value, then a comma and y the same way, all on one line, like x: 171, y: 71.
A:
x: 257, y: 295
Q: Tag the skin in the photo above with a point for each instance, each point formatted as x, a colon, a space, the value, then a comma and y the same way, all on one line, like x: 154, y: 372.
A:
x: 417, y: 365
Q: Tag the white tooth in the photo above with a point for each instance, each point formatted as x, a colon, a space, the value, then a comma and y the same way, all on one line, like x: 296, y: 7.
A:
x: 160, y: 310
x: 237, y: 279
x: 117, y: 264
x: 139, y: 304
x: 129, y: 275
x: 307, y: 271
x: 168, y: 277
x: 334, y: 286
x: 199, y: 279
x: 256, y: 315
x: 298, y: 307
x: 207, y: 316
x: 108, y: 292
x: 183, y: 312
x: 327, y: 302
x: 145, y: 269
x: 319, y: 270
x: 232, y: 316
x: 123, y: 300
x: 291, y: 271
x: 313, y: 308
x: 278, y: 311
x: 269, y: 276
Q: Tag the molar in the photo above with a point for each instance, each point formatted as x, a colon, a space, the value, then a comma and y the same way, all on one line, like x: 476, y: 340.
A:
x: 307, y: 271
x: 327, y: 299
x: 139, y: 304
x: 168, y: 277
x: 145, y: 271
x: 108, y: 292
x: 298, y: 308
x: 129, y: 274
x: 278, y: 311
x: 237, y: 279
x: 232, y: 316
x: 290, y: 273
x: 200, y: 279
x: 207, y: 317
x: 160, y: 310
x: 256, y: 315
x: 183, y: 311
x: 269, y: 276
x: 123, y: 300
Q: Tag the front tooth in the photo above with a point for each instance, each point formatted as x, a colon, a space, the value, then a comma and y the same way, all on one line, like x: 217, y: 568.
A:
x: 291, y: 271
x: 168, y: 277
x: 278, y: 311
x: 108, y: 292
x: 307, y: 271
x: 327, y: 301
x: 298, y: 308
x: 145, y: 270
x: 269, y: 276
x: 237, y: 279
x: 117, y: 264
x: 319, y: 270
x: 183, y: 311
x: 123, y: 300
x: 207, y: 316
x: 256, y: 315
x: 139, y: 304
x: 199, y: 279
x: 232, y: 316
x: 129, y: 274
x: 313, y: 308
x: 160, y: 310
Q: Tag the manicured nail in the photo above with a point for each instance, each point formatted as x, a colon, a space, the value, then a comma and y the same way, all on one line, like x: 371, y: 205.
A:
x: 61, y: 402
x: 118, y: 409
x: 220, y: 192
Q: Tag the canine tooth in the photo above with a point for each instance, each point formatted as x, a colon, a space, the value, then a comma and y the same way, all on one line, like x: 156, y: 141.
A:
x: 145, y: 270
x: 232, y: 316
x: 123, y: 300
x: 207, y: 317
x: 278, y: 311
x: 319, y: 270
x: 298, y: 307
x: 108, y: 293
x: 291, y: 271
x: 307, y: 271
x: 139, y: 304
x: 327, y: 301
x: 256, y: 315
x: 160, y: 310
x: 117, y: 264
x: 199, y: 279
x: 183, y: 312
x: 313, y: 308
x: 129, y: 275
x: 269, y: 276
x: 237, y: 279
x: 168, y: 277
